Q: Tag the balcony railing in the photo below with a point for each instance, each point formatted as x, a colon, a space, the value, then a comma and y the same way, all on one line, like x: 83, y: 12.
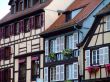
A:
x: 61, y: 57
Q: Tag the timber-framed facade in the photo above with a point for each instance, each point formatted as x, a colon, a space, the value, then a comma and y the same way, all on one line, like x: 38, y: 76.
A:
x: 96, y: 49
x: 21, y: 47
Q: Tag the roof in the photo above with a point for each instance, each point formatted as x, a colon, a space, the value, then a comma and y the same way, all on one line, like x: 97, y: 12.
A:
x: 105, y: 11
x: 87, y: 6
x: 10, y: 16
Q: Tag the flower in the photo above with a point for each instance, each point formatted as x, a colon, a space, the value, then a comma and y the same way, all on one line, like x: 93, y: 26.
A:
x: 107, y: 66
x: 92, y: 69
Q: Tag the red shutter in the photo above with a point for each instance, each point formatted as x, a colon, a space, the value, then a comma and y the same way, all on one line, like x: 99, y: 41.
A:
x: 22, y: 26
x: 30, y: 23
x: 34, y: 22
x: 2, y: 76
x: 9, y: 30
x: 2, y: 53
x: 9, y: 75
x: 3, y: 32
x: 42, y: 19
x: 0, y: 33
x: 12, y: 29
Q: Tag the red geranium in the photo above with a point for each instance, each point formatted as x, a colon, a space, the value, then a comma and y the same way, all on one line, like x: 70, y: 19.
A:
x: 107, y: 66
x: 92, y: 69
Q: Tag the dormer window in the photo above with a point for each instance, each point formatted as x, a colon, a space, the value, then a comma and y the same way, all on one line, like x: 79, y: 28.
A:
x: 27, y: 26
x: 34, y: 2
x: 42, y: 1
x: 25, y: 4
x: 71, y: 14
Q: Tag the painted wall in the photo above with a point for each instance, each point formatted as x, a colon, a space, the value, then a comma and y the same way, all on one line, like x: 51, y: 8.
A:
x: 51, y: 10
x: 88, y: 22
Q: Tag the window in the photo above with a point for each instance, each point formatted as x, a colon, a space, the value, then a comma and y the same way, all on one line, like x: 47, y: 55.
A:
x: 57, y: 73
x: 68, y: 16
x: 34, y: 2
x: 95, y: 57
x: 108, y: 23
x: 20, y: 6
x: 35, y: 69
x: 69, y: 42
x: 29, y: 3
x: 7, y: 75
x: 25, y: 4
x: 17, y: 6
x: 45, y: 74
x: 22, y: 72
x: 72, y: 71
x: 17, y: 28
x: 38, y: 21
x: 69, y: 72
x: 99, y: 56
x: 27, y: 26
x: 7, y: 31
x: 7, y: 53
x: 42, y: 1
x: 12, y: 9
x: 53, y: 73
x: 72, y: 14
x: 52, y: 45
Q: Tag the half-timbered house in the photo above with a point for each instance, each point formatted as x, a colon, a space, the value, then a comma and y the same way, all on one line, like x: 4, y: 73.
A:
x: 95, y: 49
x: 61, y: 52
x: 21, y: 47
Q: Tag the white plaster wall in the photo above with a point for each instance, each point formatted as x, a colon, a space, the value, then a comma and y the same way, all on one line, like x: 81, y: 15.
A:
x: 50, y: 11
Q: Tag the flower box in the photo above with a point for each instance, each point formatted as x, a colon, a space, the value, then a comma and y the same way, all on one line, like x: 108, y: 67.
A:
x: 92, y: 69
x: 107, y: 67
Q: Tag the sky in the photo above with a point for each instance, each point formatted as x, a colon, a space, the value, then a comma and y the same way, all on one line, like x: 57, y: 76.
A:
x: 4, y: 8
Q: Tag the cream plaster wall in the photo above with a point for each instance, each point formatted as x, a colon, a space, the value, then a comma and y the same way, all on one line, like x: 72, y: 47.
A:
x: 51, y: 10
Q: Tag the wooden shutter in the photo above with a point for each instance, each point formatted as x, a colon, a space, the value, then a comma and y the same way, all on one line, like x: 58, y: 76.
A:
x: 22, y: 26
x: 3, y: 76
x: 70, y: 72
x: 0, y: 33
x: 87, y: 57
x: 108, y: 23
x: 58, y: 44
x: 58, y: 73
x: 45, y: 74
x: 9, y: 75
x: 61, y: 72
x: 75, y: 39
x: 2, y: 53
x: 0, y: 75
x: 75, y: 71
x: 46, y: 47
x: 106, y: 55
x: 42, y: 19
x: 101, y: 56
x: 30, y: 23
x: 62, y: 43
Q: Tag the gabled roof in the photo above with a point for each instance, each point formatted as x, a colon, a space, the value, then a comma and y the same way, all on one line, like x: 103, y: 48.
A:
x: 104, y: 12
x: 36, y: 7
x: 87, y: 6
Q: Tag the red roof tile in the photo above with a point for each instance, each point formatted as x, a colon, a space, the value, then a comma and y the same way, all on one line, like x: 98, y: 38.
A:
x: 87, y: 8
